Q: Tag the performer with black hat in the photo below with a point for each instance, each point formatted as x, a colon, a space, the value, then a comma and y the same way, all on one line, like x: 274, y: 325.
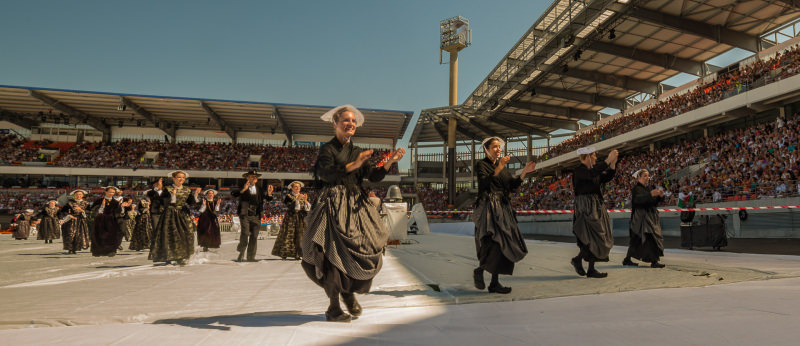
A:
x: 591, y: 224
x: 646, y: 241
x: 345, y: 236
x: 251, y: 205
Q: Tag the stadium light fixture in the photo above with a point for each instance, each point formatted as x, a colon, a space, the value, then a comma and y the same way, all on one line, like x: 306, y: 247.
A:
x: 454, y: 35
x: 565, y: 69
x: 612, y: 34
x: 577, y: 55
x: 121, y: 123
x: 533, y: 91
x: 121, y: 107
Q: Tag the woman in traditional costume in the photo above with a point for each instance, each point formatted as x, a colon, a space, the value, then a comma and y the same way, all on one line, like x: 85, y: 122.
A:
x: 345, y: 237
x: 287, y: 244
x: 646, y: 242
x: 591, y: 224
x: 75, y: 227
x: 173, y: 237
x: 49, y: 227
x: 208, y: 235
x: 498, y: 241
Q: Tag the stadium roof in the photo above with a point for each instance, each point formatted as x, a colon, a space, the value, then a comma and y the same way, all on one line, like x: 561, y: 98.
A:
x: 583, y: 56
x: 25, y: 106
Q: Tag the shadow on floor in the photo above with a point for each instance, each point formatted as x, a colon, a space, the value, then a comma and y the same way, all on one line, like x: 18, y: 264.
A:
x: 256, y: 319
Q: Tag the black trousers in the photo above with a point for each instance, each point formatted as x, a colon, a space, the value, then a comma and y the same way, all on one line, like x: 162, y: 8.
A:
x: 248, y: 239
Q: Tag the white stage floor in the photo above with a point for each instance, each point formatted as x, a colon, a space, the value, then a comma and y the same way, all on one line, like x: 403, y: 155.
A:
x: 423, y: 295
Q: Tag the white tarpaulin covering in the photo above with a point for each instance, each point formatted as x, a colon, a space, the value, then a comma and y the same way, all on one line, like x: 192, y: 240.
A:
x: 396, y: 220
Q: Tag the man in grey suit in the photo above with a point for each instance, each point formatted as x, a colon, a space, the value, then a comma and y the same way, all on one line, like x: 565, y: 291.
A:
x: 251, y: 200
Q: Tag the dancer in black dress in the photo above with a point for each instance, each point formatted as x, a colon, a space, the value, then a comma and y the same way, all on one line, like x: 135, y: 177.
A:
x: 106, y: 238
x: 646, y: 241
x: 208, y: 235
x: 173, y: 237
x: 49, y: 227
x: 498, y: 241
x: 345, y: 237
x: 287, y: 244
x: 75, y: 228
x: 591, y: 224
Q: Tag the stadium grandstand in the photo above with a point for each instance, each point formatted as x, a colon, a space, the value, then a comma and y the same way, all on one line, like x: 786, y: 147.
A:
x: 53, y: 140
x: 599, y: 73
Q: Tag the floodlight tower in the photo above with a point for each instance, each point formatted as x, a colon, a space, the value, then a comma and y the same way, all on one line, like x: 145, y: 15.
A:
x: 455, y: 36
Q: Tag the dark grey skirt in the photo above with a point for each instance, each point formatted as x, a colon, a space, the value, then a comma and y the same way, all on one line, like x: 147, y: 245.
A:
x: 592, y: 227
x: 344, y: 238
x: 498, y: 241
x: 646, y: 240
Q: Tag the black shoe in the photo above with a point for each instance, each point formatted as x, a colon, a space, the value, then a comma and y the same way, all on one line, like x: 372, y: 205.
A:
x: 576, y: 262
x: 205, y: 248
x: 497, y: 288
x: 657, y: 265
x: 627, y: 262
x: 596, y: 274
x: 337, y: 316
x: 477, y: 278
x: 241, y: 257
x: 353, y: 307
x: 252, y: 260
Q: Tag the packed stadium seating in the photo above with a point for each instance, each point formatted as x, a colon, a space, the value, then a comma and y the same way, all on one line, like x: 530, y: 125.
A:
x: 753, y: 75
x: 185, y: 155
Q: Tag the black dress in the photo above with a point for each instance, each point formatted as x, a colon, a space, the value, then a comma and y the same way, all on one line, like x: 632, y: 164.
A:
x: 75, y: 231
x: 591, y: 224
x: 48, y: 228
x: 208, y: 226
x: 143, y: 228
x: 287, y: 244
x: 498, y: 241
x: 647, y: 243
x: 173, y: 237
x: 105, y: 234
x: 344, y: 241
x: 23, y: 229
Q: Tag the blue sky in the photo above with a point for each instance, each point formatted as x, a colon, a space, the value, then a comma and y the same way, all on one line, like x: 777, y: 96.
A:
x: 376, y: 54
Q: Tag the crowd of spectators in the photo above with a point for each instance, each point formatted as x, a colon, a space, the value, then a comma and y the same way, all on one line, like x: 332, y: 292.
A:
x: 13, y: 202
x: 756, y: 162
x: 185, y: 155
x: 758, y: 73
x: 14, y: 149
